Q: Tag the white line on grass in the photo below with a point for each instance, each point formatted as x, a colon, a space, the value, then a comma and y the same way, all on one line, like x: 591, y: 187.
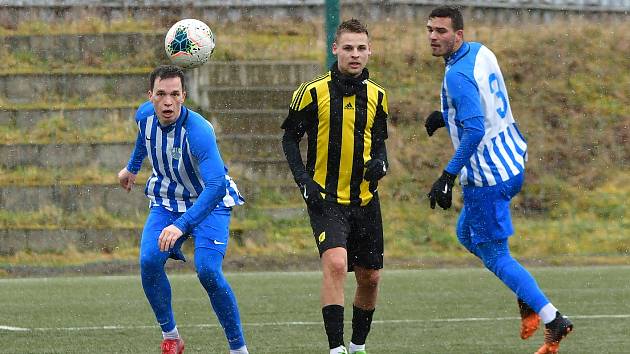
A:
x: 296, y: 323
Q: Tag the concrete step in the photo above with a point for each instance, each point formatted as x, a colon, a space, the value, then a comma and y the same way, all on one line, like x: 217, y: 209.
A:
x: 25, y: 88
x: 105, y: 155
x: 227, y: 98
x: 235, y: 147
x: 83, y: 118
x: 223, y: 77
x: 84, y: 47
x: 248, y: 146
x: 247, y: 121
x: 116, y: 201
x: 254, y: 73
x: 44, y: 239
x: 58, y: 240
x: 236, y: 121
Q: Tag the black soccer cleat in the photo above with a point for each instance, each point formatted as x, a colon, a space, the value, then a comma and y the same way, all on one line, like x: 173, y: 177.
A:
x: 555, y: 331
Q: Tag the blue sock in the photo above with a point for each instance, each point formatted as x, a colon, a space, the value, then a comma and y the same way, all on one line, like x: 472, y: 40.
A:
x: 156, y: 286
x: 496, y: 257
x: 208, y: 264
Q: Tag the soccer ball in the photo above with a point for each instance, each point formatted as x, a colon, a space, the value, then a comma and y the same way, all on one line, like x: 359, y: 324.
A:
x: 189, y: 43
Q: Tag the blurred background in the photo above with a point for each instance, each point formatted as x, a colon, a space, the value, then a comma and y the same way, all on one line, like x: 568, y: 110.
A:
x: 73, y: 72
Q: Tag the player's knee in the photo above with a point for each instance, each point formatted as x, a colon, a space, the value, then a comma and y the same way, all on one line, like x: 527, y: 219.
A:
x: 336, y: 266
x: 151, y: 263
x: 370, y: 279
x: 210, y: 277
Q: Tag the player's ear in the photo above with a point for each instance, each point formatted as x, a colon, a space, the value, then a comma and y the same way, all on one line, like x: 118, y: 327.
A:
x: 183, y: 96
x: 150, y: 94
x: 334, y: 48
x: 460, y: 34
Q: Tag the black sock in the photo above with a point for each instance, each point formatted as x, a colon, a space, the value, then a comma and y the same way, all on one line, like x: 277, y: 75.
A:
x: 361, y: 322
x: 333, y: 323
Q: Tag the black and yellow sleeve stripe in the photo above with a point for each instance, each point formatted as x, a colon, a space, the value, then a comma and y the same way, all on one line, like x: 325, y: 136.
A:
x: 302, y: 97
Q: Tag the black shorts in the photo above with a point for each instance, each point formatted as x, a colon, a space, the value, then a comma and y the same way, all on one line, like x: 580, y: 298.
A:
x: 357, y: 229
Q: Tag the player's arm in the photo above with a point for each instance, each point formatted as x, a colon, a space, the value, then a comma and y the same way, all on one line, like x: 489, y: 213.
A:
x: 301, y: 113
x: 127, y: 176
x: 465, y: 96
x: 203, y: 146
x: 294, y: 129
x: 377, y: 167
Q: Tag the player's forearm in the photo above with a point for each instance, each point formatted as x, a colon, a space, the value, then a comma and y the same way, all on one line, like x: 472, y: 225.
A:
x: 291, y: 148
x: 379, y: 134
x: 467, y: 146
x: 212, y: 194
x: 379, y: 151
x: 137, y: 155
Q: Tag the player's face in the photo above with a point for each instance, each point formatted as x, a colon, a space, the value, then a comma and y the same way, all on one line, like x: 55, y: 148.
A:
x: 442, y: 38
x: 167, y: 97
x: 352, y: 51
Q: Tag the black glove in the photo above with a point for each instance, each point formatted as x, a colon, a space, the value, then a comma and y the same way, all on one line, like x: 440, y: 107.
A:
x: 442, y: 191
x: 434, y: 122
x: 375, y: 169
x: 310, y: 192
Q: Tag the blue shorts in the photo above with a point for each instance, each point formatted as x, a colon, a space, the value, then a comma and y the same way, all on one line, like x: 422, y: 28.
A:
x: 486, y: 213
x: 211, y: 233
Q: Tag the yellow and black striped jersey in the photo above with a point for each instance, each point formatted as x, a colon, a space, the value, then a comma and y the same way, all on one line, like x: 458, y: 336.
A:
x: 344, y: 132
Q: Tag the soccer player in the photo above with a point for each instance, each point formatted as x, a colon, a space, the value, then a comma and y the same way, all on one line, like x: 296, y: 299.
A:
x: 344, y: 114
x: 190, y: 194
x: 490, y: 155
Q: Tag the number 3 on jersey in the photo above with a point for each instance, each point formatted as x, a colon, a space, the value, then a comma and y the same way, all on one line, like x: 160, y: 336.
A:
x: 495, y: 88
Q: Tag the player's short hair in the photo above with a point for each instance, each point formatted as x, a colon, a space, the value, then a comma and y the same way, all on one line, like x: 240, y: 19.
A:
x: 451, y: 12
x: 353, y: 26
x: 167, y: 72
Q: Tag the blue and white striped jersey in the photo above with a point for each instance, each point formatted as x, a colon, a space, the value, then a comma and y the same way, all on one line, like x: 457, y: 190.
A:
x: 473, y: 87
x: 183, y: 156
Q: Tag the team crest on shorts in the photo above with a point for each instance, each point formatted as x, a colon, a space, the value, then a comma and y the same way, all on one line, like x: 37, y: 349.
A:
x: 176, y: 153
x: 322, y: 237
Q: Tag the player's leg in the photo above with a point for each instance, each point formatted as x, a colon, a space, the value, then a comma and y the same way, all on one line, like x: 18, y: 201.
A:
x: 464, y: 233
x: 529, y: 318
x: 211, y: 239
x: 154, y: 280
x: 365, y: 258
x: 490, y: 232
x: 363, y: 307
x: 330, y: 229
x: 497, y: 258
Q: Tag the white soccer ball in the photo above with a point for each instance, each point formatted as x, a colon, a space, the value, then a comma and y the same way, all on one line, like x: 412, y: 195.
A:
x: 189, y: 43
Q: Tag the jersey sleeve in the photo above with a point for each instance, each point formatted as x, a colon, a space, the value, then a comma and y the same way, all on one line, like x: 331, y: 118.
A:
x: 379, y: 129
x: 139, y: 151
x: 301, y: 109
x: 464, y: 94
x: 203, y: 146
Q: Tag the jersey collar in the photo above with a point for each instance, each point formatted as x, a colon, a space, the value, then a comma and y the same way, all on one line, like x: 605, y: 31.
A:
x: 183, y: 116
x: 453, y: 58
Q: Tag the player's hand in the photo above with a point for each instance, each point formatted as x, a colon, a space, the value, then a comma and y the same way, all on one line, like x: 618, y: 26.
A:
x: 434, y: 122
x: 311, y: 192
x: 168, y: 236
x: 375, y: 169
x: 126, y: 179
x: 442, y: 191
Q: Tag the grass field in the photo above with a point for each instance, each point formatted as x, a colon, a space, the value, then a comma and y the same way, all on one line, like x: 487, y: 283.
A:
x: 420, y: 311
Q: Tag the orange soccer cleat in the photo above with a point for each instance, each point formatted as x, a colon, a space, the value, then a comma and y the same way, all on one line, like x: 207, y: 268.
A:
x: 530, y: 321
x: 555, y: 331
x: 173, y: 346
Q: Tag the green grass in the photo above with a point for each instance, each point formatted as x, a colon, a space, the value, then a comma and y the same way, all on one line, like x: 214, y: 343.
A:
x: 423, y: 311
